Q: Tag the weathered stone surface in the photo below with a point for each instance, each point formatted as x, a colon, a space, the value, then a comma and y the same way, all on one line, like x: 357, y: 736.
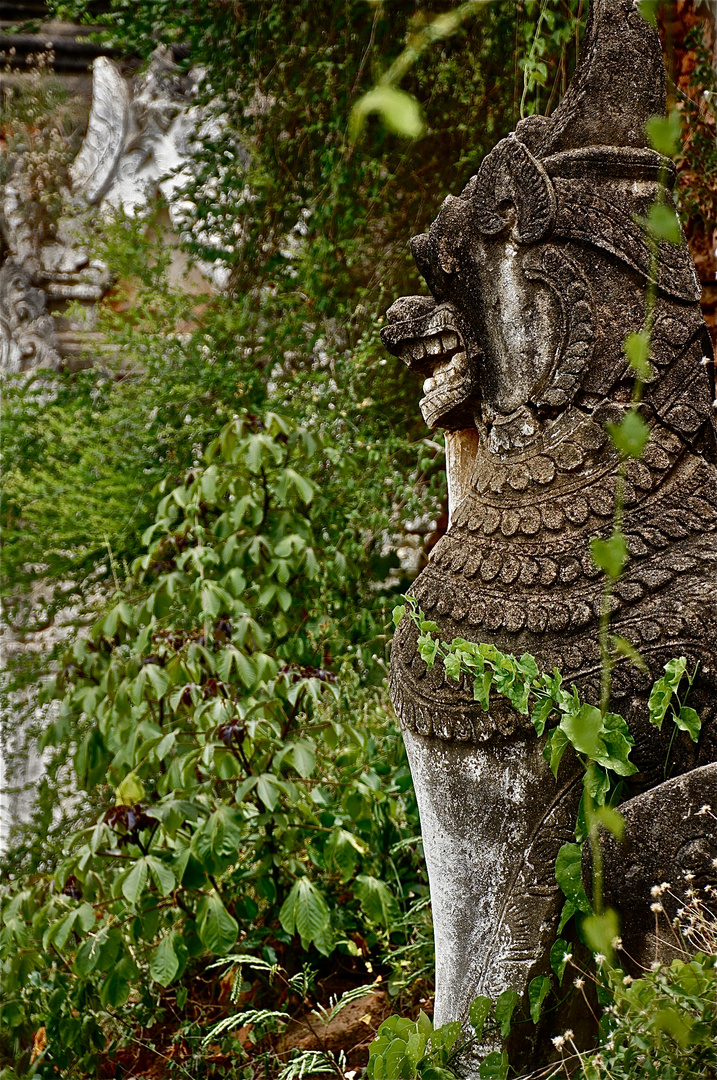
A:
x: 537, y: 272
x: 27, y: 336
x: 668, y: 858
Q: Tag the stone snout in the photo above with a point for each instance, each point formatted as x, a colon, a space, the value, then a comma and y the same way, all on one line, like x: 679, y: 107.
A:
x: 436, y: 342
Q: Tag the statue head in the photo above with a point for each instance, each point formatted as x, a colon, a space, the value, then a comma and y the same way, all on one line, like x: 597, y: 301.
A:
x: 520, y: 323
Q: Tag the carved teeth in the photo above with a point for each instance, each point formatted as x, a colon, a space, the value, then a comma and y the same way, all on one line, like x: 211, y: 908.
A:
x: 434, y: 346
x: 417, y: 350
x: 429, y: 384
x: 450, y: 341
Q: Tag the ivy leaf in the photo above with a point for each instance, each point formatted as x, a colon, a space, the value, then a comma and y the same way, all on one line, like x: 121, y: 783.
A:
x: 428, y: 648
x: 665, y: 133
x: 559, y: 954
x: 478, y: 1013
x: 538, y: 990
x: 481, y: 688
x: 568, y: 874
x: 504, y: 1008
x: 541, y: 714
x: 452, y: 664
x: 623, y: 646
x: 664, y: 224
x: 637, y: 350
x: 610, y: 555
x: 688, y: 720
x: 600, y: 931
x: 631, y: 435
x: 612, y: 821
x: 555, y: 748
x: 495, y: 1066
x: 398, y: 612
x: 664, y: 688
x: 216, y: 928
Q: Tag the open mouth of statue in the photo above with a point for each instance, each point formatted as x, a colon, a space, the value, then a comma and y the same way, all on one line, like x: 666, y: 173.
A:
x: 429, y: 342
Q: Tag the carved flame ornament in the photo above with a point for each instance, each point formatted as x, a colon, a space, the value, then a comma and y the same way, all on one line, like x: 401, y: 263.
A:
x: 537, y: 272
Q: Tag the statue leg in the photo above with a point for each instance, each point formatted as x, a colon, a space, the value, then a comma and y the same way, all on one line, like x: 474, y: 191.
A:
x: 493, y: 818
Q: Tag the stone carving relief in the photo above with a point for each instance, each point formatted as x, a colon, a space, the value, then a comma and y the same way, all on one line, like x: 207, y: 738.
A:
x: 537, y: 272
x: 27, y: 333
x: 137, y: 142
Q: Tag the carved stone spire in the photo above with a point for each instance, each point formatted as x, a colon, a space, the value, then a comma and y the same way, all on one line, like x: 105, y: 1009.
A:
x: 618, y: 85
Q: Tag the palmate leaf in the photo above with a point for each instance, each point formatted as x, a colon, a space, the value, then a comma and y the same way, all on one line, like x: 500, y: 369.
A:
x: 305, y: 912
x: 216, y: 927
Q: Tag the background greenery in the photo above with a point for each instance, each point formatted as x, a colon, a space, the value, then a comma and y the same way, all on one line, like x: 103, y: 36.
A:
x: 220, y: 504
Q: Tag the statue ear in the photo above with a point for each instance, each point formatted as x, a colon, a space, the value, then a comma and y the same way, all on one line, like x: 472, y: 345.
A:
x: 512, y: 184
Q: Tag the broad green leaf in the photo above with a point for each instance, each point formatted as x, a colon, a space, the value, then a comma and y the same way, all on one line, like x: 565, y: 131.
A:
x: 305, y: 912
x: 158, y: 679
x: 114, y: 991
x: 216, y: 927
x: 130, y: 791
x: 161, y: 875
x: 86, y: 917
x: 268, y: 790
x: 303, y: 758
x: 398, y: 612
x: 377, y: 899
x: 399, y: 111
x: 135, y: 882
x: 164, y: 962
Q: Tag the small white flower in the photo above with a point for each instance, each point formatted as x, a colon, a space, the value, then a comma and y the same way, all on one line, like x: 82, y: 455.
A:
x: 627, y: 980
x: 688, y: 875
x: 558, y: 1042
x: 616, y: 943
x: 579, y: 983
x: 656, y: 890
x: 567, y: 957
x: 656, y: 907
x: 599, y: 959
x: 706, y: 809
